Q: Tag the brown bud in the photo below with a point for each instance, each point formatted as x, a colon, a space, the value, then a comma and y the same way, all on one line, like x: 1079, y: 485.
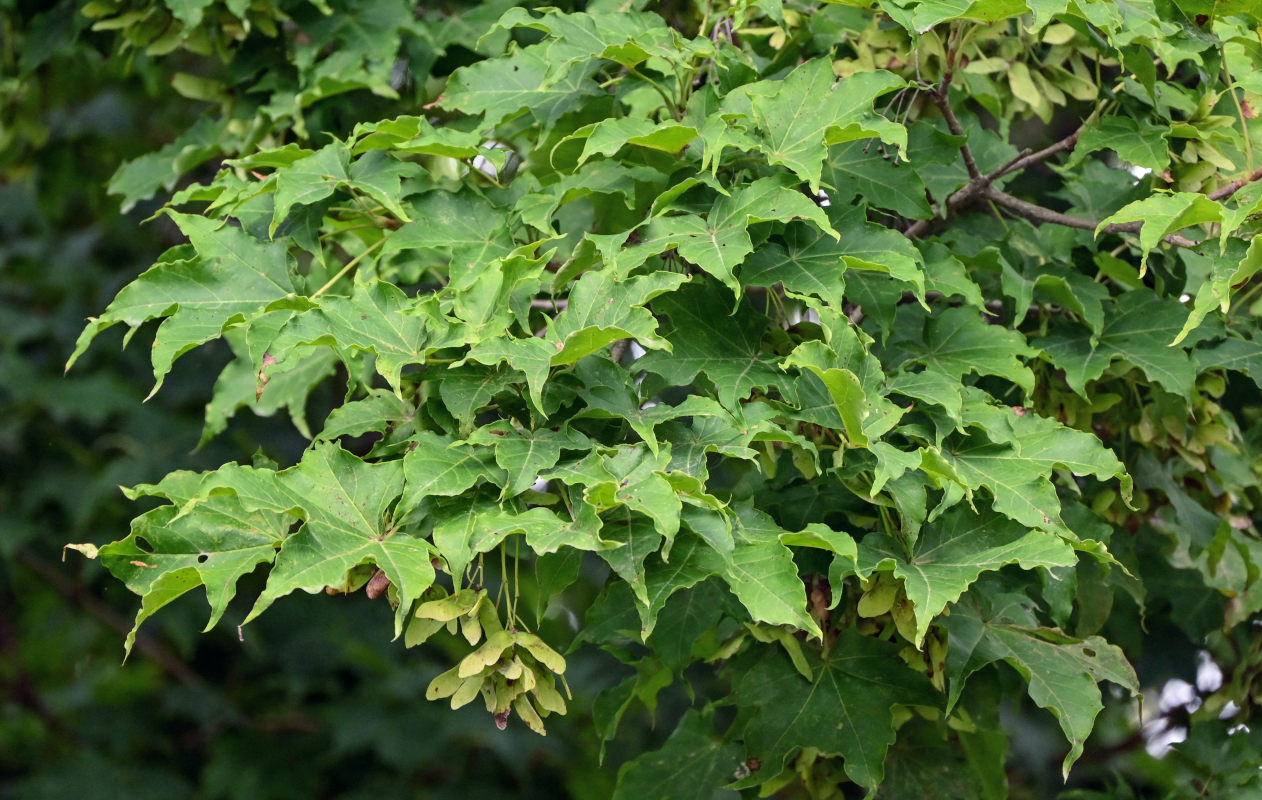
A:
x: 377, y: 584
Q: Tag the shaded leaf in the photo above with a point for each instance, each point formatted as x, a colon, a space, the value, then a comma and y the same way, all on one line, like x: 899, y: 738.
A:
x: 846, y: 711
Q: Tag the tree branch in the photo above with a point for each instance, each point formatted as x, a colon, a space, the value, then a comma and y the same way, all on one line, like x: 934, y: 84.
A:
x: 1235, y: 186
x: 965, y: 194
x: 1028, y: 159
x: 1035, y: 213
x: 941, y: 99
x: 980, y: 187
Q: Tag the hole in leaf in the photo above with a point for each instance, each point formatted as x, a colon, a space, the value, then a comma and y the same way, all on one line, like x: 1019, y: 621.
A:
x: 203, y: 558
x: 1088, y: 652
x: 143, y: 544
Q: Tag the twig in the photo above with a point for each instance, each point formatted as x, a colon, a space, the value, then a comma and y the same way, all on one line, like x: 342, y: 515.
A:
x: 974, y: 188
x: 1235, y: 186
x: 350, y: 265
x: 980, y: 188
x: 1040, y: 214
x: 942, y: 100
x: 1027, y: 159
x: 549, y: 303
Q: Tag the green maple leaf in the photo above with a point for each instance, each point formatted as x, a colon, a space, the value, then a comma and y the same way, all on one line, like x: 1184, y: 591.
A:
x: 1142, y: 144
x: 168, y: 553
x: 413, y: 134
x: 720, y: 242
x: 945, y: 273
x: 1162, y: 215
x: 608, y: 389
x: 1061, y: 672
x: 625, y: 37
x: 952, y: 552
x: 853, y: 403
x: 524, y: 455
x: 877, y: 248
x: 531, y: 356
x: 231, y: 277
x: 287, y: 386
x: 761, y: 573
x: 375, y: 320
x: 601, y: 310
x: 438, y: 466
x: 715, y: 429
x: 609, y: 136
x: 662, y: 579
x: 466, y: 229
x: 805, y: 260
x: 808, y: 262
x: 309, y: 180
x: 380, y: 176
x: 314, y: 177
x: 847, y: 710
x: 605, y: 177
x: 856, y: 169
x: 922, y: 16
x: 139, y: 178
x: 795, y: 120
x: 463, y: 530
x: 1217, y: 289
x: 1138, y: 328
x: 375, y: 413
x: 1016, y: 458
x: 604, y: 308
x: 638, y: 480
x: 502, y: 88
x: 466, y: 389
x: 706, y: 337
x: 958, y: 341
x: 1240, y: 355
x: 636, y: 537
x: 1072, y: 290
x: 931, y: 386
x: 693, y: 760
x: 344, y: 504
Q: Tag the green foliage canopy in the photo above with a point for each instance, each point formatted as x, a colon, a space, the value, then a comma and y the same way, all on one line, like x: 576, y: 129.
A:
x: 884, y: 354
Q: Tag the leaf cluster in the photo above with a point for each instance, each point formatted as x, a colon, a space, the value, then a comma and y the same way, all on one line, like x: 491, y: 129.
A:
x: 865, y: 389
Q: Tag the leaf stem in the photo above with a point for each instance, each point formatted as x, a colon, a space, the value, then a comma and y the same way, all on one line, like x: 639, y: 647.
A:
x: 670, y: 103
x: 350, y: 265
x: 1235, y: 98
x: 516, y: 578
x: 1035, y: 213
x: 1245, y: 296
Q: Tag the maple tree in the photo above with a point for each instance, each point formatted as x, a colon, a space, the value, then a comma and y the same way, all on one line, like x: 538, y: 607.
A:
x: 874, y: 359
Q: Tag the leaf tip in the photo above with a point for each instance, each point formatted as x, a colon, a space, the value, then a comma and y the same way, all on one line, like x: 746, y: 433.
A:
x: 87, y: 549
